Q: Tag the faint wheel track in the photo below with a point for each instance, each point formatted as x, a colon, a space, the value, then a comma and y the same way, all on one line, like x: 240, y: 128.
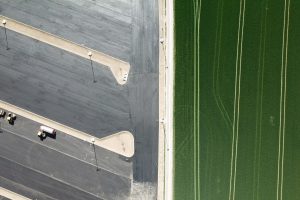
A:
x: 235, y: 127
x: 216, y: 91
x: 197, y: 14
x: 281, y: 134
x: 260, y: 86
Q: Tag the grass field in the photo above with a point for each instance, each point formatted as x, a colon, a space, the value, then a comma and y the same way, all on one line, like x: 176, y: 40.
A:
x: 237, y: 95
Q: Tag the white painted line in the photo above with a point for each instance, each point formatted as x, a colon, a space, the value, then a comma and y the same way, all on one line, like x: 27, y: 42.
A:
x: 11, y: 195
x: 119, y: 68
x: 121, y: 143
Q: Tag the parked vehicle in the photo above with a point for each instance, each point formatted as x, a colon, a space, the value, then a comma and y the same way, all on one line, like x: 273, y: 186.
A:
x: 11, y: 118
x: 2, y: 113
x: 44, y: 131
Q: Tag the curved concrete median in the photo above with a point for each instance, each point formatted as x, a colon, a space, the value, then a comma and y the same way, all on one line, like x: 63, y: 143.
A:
x: 119, y: 68
x: 121, y: 143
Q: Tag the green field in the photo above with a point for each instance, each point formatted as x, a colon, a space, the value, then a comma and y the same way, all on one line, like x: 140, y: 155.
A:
x: 237, y: 100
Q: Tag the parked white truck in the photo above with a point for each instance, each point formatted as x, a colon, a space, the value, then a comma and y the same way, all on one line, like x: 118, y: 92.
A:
x: 45, y: 130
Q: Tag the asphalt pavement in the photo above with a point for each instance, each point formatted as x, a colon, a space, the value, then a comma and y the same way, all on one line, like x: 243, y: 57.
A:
x: 62, y: 163
x: 101, y: 25
x: 58, y: 85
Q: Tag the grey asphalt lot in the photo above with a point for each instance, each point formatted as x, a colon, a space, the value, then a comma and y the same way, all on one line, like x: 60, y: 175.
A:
x: 143, y: 88
x: 58, y: 85
x: 101, y: 25
x: 19, y: 173
x: 43, y: 163
x: 25, y: 129
x: 25, y: 191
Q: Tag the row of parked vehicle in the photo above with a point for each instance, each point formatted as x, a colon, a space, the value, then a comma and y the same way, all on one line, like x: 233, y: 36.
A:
x: 43, y: 131
x: 11, y: 117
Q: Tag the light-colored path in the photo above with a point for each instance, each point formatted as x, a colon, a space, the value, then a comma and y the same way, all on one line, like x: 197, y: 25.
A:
x: 166, y: 81
x: 121, y: 143
x: 11, y: 195
x: 162, y: 164
x: 119, y: 68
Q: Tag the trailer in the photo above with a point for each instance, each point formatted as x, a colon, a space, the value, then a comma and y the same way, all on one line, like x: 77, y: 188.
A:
x: 44, y: 131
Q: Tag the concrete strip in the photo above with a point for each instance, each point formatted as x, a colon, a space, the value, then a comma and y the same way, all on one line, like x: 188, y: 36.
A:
x: 162, y: 102
x: 121, y: 143
x: 169, y: 160
x: 11, y: 195
x: 166, y: 82
x: 119, y: 68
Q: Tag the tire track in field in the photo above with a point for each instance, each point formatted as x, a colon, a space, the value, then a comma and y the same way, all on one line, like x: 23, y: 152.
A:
x: 281, y: 133
x: 235, y: 127
x: 216, y: 67
x: 197, y: 15
x: 260, y: 94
